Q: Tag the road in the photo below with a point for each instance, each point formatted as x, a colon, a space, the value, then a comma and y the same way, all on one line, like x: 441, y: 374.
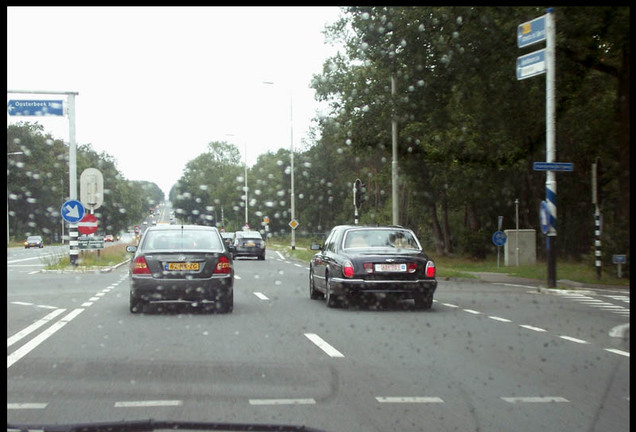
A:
x: 486, y: 357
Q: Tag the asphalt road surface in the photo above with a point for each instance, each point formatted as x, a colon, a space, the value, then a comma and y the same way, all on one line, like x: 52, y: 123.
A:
x: 488, y: 356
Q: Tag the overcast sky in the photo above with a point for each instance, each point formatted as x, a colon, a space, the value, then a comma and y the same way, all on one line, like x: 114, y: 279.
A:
x: 157, y: 84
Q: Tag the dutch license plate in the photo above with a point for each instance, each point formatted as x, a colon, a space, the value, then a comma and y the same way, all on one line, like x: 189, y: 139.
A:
x: 182, y: 266
x: 250, y: 244
x: 390, y: 267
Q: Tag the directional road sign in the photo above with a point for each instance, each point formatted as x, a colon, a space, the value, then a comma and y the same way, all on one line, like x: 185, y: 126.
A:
x: 72, y: 211
x: 293, y: 223
x: 531, y: 32
x: 530, y: 65
x: 35, y: 108
x: 88, y: 224
x: 553, y: 166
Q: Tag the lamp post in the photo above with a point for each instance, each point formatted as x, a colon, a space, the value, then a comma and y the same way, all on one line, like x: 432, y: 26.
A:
x: 293, y: 194
x: 10, y: 154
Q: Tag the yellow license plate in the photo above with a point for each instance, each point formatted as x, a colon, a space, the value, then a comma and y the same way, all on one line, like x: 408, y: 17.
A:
x: 182, y: 266
x: 250, y: 244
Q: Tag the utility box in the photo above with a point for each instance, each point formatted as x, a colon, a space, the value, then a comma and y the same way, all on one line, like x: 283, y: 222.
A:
x: 526, y: 241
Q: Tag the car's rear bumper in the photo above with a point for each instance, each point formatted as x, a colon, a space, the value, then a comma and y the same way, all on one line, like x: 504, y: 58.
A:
x: 148, y: 288
x: 407, y: 288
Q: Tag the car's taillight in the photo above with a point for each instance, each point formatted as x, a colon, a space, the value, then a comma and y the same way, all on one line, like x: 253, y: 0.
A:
x: 368, y: 267
x: 411, y: 267
x: 430, y: 269
x: 223, y: 266
x: 140, y: 266
x: 347, y: 269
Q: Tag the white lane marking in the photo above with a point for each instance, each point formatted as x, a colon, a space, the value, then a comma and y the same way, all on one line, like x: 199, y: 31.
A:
x: 26, y: 405
x: 450, y: 305
x: 300, y: 401
x: 36, y: 325
x: 148, y: 403
x: 33, y: 343
x: 320, y: 343
x: 529, y: 327
x: 280, y: 255
x: 571, y: 339
x: 237, y: 277
x: 616, y: 351
x: 261, y: 296
x: 619, y: 331
x: 474, y: 312
x: 408, y: 399
x: 535, y: 399
x: 496, y: 318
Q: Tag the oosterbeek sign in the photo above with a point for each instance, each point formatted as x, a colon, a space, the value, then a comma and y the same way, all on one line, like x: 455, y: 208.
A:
x: 35, y: 108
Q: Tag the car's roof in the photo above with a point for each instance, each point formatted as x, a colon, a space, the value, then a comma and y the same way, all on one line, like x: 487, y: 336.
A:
x: 167, y: 227
x: 34, y: 236
x: 248, y: 233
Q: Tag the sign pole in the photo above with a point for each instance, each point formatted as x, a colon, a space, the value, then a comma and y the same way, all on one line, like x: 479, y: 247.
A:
x: 550, y: 182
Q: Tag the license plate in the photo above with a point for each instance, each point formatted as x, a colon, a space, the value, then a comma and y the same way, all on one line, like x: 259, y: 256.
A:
x: 181, y: 266
x: 390, y: 267
x: 250, y: 244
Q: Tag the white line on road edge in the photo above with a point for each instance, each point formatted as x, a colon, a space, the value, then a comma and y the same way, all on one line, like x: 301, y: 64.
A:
x: 30, y: 329
x: 281, y: 256
x: 33, y: 343
x: 26, y: 406
x: 320, y: 343
x: 535, y: 399
x: 308, y: 401
x: 155, y: 403
x: 619, y: 352
x: 402, y: 399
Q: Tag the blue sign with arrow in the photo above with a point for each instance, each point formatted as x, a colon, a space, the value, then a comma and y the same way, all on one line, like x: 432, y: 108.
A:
x: 35, y: 108
x: 72, y: 211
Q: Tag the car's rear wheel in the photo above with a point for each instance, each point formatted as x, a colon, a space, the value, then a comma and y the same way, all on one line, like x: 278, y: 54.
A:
x: 423, y: 301
x: 136, y: 305
x: 332, y: 300
x: 314, y: 294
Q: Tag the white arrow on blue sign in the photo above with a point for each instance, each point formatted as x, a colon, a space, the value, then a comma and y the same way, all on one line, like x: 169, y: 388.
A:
x: 35, y: 108
x: 72, y: 211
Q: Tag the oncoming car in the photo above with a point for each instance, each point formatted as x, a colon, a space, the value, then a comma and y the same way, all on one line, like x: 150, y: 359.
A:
x: 33, y: 241
x: 181, y: 264
x: 248, y: 243
x: 381, y: 261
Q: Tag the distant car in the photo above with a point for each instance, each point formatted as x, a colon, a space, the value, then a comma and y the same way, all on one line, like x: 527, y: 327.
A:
x: 248, y: 243
x: 381, y: 261
x: 228, y: 237
x: 109, y: 238
x: 181, y: 264
x: 33, y: 241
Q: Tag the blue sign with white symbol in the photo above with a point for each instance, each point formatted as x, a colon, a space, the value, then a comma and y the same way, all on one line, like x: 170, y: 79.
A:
x: 553, y: 166
x: 531, y: 32
x: 531, y: 64
x: 35, y: 108
x: 499, y: 238
x: 72, y: 211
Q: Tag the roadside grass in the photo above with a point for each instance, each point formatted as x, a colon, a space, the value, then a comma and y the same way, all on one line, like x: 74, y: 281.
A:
x: 461, y: 267
x: 89, y: 259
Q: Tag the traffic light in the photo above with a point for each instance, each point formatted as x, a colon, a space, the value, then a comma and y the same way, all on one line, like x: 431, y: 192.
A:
x: 360, y: 189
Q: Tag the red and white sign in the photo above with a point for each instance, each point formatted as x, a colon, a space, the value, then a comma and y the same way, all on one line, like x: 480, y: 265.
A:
x: 88, y: 224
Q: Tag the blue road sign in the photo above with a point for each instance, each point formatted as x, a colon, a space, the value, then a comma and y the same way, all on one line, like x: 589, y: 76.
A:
x: 553, y: 166
x: 499, y: 238
x: 531, y: 32
x: 72, y: 211
x: 35, y: 108
x: 530, y: 65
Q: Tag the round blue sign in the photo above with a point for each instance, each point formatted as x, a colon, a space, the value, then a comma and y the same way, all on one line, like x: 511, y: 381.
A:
x: 72, y: 211
x: 499, y: 238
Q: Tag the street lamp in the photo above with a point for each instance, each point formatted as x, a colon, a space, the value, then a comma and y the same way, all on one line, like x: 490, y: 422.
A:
x: 9, y: 154
x: 293, y: 196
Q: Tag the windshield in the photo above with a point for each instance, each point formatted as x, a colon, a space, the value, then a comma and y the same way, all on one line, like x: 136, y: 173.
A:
x: 319, y: 217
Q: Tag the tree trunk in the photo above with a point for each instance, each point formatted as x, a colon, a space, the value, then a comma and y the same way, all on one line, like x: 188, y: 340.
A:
x: 437, y: 230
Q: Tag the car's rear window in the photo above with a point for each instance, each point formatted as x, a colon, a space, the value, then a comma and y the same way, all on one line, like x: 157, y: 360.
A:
x: 380, y: 238
x: 182, y: 240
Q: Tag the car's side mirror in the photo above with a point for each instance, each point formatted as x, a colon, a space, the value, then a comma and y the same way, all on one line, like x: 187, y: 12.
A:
x: 316, y: 246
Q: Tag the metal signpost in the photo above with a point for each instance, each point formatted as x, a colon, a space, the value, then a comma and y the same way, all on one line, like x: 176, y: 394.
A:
x: 528, y: 33
x: 55, y: 108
